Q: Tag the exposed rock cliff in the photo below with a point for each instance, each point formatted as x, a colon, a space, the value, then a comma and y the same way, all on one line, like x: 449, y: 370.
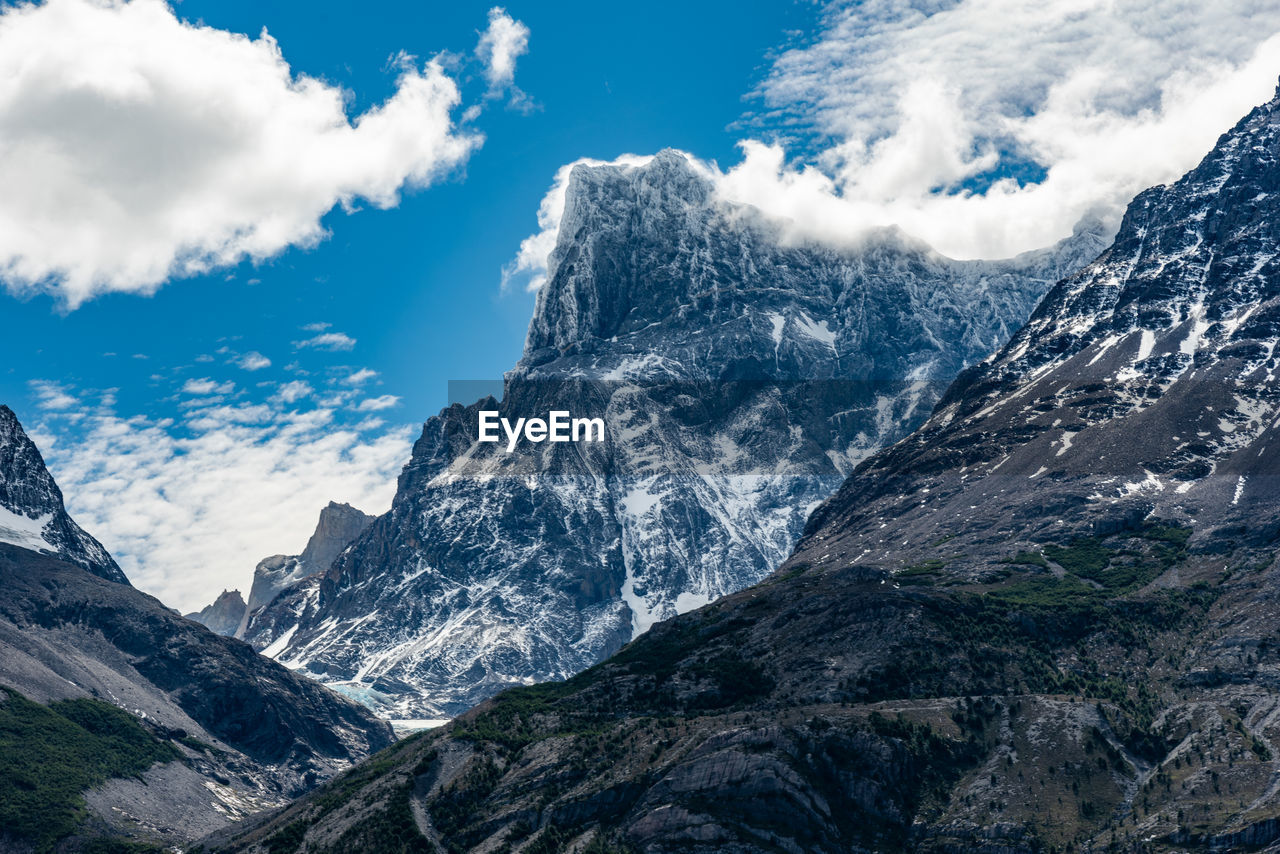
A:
x: 740, y: 380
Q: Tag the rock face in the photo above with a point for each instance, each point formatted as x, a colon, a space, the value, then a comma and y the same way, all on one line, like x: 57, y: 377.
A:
x: 251, y: 733
x: 740, y: 380
x: 31, y: 512
x: 339, y: 525
x: 1045, y: 621
x: 224, y: 615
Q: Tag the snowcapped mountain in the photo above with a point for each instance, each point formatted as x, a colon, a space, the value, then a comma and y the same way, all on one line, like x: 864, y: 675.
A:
x: 1047, y: 620
x: 740, y: 378
x: 243, y: 733
x: 1143, y: 386
x: 31, y: 512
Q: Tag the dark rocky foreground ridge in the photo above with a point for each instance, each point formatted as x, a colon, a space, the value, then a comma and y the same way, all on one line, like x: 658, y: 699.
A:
x: 1045, y: 621
x: 740, y: 378
x: 210, y: 731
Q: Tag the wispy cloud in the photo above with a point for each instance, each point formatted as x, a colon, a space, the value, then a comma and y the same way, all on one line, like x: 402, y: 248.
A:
x: 215, y: 492
x: 51, y: 395
x: 987, y: 127
x: 360, y: 377
x: 501, y: 44
x: 254, y: 154
x: 331, y: 341
x: 205, y: 385
x: 377, y: 404
x: 293, y: 391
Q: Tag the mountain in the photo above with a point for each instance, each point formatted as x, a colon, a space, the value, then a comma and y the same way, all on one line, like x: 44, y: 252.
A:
x: 1046, y: 620
x: 224, y: 615
x: 31, y: 512
x: 118, y: 717
x: 338, y: 525
x: 740, y: 378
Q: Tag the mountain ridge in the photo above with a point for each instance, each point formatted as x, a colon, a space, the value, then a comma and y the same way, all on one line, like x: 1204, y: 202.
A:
x: 740, y: 379
x: 1013, y: 631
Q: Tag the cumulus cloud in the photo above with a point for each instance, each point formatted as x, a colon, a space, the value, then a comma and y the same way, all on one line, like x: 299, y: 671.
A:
x: 253, y: 361
x: 984, y: 127
x: 360, y: 377
x: 331, y: 341
x: 501, y: 44
x: 137, y: 147
x: 293, y: 391
x: 189, y: 508
x: 988, y: 127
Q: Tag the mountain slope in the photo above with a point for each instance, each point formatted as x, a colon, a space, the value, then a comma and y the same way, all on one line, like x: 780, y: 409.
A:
x: 232, y: 732
x: 1045, y: 621
x: 740, y: 379
x: 31, y: 512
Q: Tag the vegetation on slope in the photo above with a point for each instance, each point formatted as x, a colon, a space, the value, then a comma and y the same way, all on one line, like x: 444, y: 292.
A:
x: 50, y: 755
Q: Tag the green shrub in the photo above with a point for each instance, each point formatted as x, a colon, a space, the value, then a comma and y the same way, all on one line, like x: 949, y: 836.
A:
x: 50, y: 755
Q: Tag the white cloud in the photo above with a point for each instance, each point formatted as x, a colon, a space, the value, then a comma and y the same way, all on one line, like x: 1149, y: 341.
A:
x: 376, y: 404
x: 253, y: 361
x: 1107, y: 98
x: 907, y: 114
x: 51, y: 395
x: 189, y: 509
x: 505, y: 40
x: 137, y: 147
x: 207, y: 386
x: 293, y: 391
x: 331, y: 341
x: 316, y: 327
x: 360, y: 377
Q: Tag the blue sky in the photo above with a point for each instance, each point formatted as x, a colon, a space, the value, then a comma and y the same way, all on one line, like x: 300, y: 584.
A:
x: 417, y: 286
x: 198, y: 422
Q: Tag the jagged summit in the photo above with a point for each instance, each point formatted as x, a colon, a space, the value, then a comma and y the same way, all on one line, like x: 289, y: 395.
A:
x: 740, y: 379
x: 224, y: 615
x: 243, y: 732
x: 32, y: 514
x: 337, y: 527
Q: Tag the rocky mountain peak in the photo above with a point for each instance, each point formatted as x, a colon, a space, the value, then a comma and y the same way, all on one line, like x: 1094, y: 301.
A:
x: 338, y: 525
x: 32, y: 514
x: 1142, y: 387
x: 224, y: 615
x: 740, y: 378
